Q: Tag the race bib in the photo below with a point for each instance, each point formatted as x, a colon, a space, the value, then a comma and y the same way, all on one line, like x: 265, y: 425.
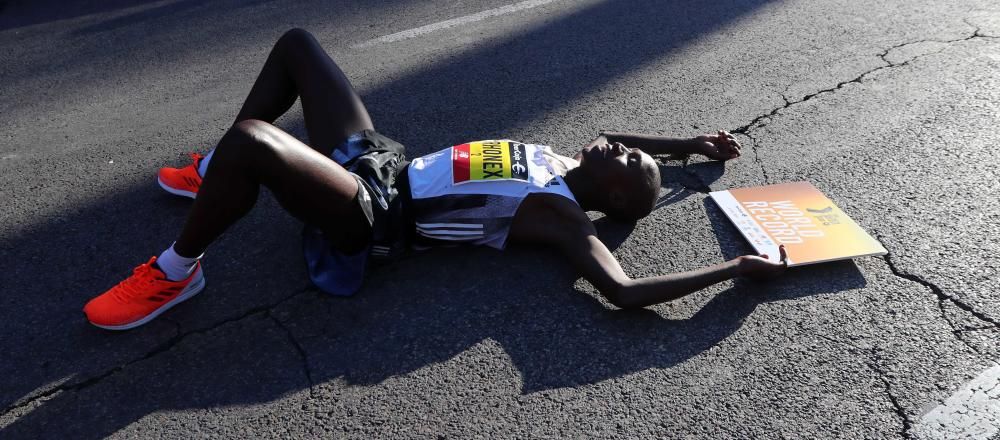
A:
x: 489, y: 160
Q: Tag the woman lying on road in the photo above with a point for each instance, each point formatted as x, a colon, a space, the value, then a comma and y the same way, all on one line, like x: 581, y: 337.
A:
x: 361, y: 200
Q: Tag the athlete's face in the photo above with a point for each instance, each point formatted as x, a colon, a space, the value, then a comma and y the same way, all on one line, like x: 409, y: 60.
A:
x: 628, y: 178
x: 614, y: 164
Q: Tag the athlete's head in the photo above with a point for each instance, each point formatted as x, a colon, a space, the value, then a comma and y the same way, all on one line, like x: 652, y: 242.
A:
x: 626, y: 181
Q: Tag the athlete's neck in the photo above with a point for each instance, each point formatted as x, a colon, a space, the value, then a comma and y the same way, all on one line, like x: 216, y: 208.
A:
x: 560, y: 164
x: 583, y: 189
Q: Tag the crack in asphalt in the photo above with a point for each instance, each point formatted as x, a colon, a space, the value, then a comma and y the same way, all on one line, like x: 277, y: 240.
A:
x: 958, y: 334
x: 875, y: 365
x: 756, y: 155
x: 978, y: 31
x: 967, y: 328
x: 755, y: 123
x: 759, y: 120
x: 298, y: 348
x: 159, y: 349
x: 900, y: 412
x: 942, y: 296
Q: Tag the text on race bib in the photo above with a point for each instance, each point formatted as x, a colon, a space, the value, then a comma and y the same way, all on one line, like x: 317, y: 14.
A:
x: 489, y: 160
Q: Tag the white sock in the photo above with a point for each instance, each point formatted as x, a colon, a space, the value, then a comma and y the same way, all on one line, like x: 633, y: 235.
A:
x: 174, y: 266
x: 203, y: 165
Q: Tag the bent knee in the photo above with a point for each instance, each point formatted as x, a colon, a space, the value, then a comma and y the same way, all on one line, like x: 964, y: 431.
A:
x: 250, y: 137
x: 251, y: 131
x: 295, y: 38
x: 251, y: 128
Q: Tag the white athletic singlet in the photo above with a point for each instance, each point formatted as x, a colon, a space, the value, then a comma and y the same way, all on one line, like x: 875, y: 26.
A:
x: 469, y: 193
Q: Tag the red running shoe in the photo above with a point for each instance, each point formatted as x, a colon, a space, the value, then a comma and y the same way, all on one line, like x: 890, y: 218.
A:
x: 141, y: 297
x: 181, y: 181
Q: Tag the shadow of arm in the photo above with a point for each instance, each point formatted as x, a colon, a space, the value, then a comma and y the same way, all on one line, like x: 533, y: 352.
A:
x: 558, y: 223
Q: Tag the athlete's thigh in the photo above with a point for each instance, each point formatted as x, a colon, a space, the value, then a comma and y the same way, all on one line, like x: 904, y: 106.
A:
x: 331, y: 108
x: 312, y: 187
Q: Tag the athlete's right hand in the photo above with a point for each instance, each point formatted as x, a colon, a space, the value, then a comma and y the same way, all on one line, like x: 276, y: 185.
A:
x: 719, y: 146
x: 760, y: 267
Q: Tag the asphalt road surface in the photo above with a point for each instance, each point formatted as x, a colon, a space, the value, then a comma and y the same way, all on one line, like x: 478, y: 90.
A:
x: 889, y: 107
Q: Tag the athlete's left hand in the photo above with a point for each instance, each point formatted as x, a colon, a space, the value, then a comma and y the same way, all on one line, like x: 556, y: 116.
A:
x: 761, y: 268
x: 720, y: 146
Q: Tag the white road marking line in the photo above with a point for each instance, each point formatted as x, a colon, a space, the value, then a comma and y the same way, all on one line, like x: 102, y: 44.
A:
x: 971, y: 412
x: 416, y: 32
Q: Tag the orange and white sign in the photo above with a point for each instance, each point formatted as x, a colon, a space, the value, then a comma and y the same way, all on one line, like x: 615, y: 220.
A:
x: 799, y: 216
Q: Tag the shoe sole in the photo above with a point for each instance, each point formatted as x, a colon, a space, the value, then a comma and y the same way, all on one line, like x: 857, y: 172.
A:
x: 175, y: 191
x: 192, y: 289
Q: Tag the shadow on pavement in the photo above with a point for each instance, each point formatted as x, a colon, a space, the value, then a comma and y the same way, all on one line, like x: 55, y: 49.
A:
x: 408, y: 316
x: 20, y: 13
x: 485, y: 92
x: 153, y: 13
x: 407, y: 319
x: 561, y: 336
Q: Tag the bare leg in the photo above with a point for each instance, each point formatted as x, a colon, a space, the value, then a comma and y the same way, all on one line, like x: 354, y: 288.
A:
x: 309, y: 185
x: 299, y: 67
x: 303, y: 178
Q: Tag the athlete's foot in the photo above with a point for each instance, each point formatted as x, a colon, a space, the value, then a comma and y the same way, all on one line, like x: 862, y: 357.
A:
x: 181, y: 181
x: 141, y: 297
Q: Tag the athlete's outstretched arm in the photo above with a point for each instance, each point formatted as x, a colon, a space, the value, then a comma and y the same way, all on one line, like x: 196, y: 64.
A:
x: 719, y: 146
x: 600, y: 267
x: 569, y: 230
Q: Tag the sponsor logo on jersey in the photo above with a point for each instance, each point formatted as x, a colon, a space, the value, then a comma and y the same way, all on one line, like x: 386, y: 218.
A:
x: 489, y: 160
